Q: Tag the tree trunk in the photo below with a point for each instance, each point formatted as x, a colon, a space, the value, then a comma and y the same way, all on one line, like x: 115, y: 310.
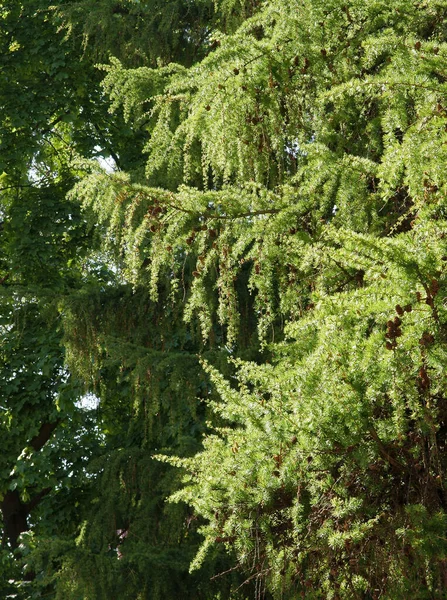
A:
x: 14, y: 511
x: 15, y: 517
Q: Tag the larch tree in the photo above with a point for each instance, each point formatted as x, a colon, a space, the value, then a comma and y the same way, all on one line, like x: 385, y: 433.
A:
x: 255, y: 296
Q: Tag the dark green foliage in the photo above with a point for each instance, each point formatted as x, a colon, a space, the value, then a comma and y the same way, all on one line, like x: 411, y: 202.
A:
x: 141, y: 32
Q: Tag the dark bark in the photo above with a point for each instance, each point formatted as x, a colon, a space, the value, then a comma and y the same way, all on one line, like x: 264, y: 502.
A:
x: 15, y: 512
x: 43, y: 436
x: 15, y: 517
x: 120, y: 10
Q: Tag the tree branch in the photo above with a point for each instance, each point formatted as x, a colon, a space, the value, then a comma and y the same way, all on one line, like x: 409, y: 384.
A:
x: 45, y: 431
x: 107, y: 145
x: 383, y: 450
x: 35, y: 500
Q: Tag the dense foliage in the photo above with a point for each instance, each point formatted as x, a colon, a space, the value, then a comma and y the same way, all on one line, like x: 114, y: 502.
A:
x: 222, y: 356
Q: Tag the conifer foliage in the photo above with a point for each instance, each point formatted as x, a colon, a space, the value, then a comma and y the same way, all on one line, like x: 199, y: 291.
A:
x: 256, y: 296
